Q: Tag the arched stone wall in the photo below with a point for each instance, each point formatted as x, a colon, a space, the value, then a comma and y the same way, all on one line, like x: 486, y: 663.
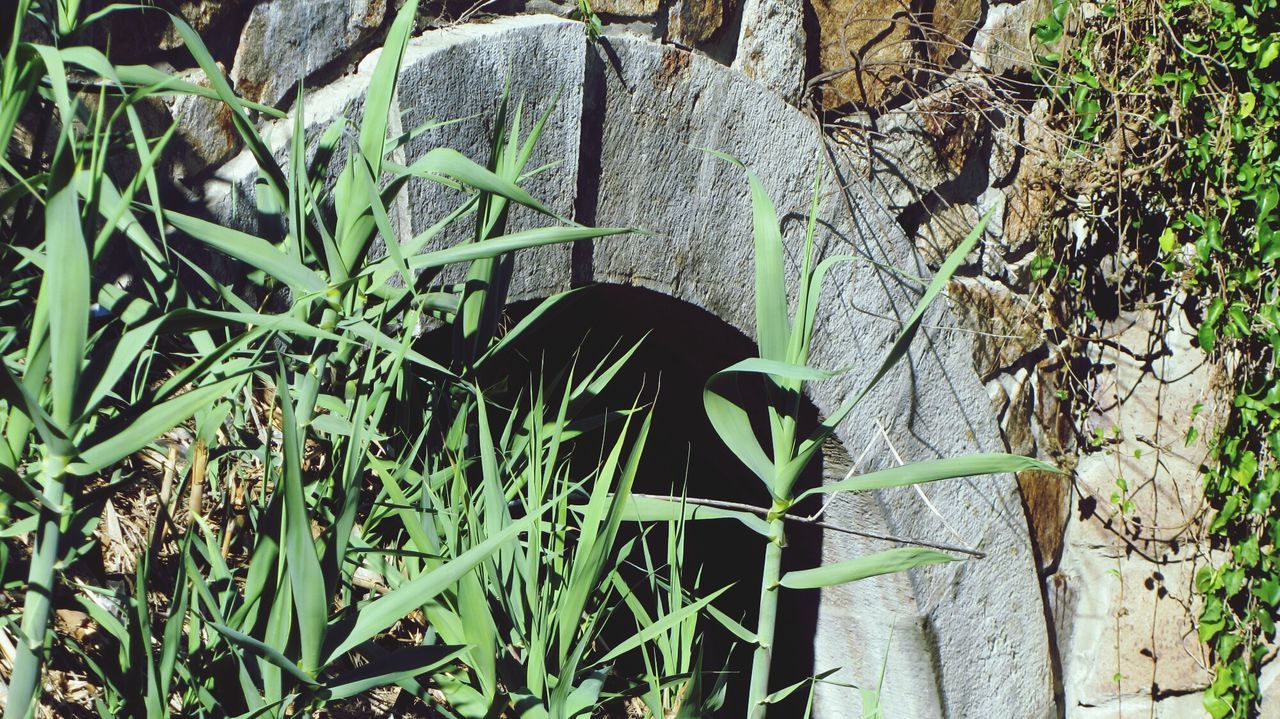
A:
x: 967, y: 639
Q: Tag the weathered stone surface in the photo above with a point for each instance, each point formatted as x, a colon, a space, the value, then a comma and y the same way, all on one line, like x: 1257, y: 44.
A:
x: 693, y: 22
x: 541, y: 56
x: 1029, y: 194
x: 626, y: 8
x: 771, y: 45
x: 967, y: 636
x: 868, y: 43
x: 205, y: 133
x: 1269, y: 685
x: 1004, y: 43
x: 1007, y: 325
x: 284, y: 41
x: 926, y: 147
x: 950, y: 24
x: 202, y: 15
x: 1132, y: 629
x: 1142, y: 495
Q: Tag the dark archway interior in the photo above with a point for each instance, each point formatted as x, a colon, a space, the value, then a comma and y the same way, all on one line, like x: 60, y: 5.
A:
x: 683, y: 346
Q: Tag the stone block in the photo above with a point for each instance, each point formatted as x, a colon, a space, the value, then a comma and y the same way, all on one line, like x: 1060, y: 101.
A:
x: 285, y: 41
x: 866, y: 46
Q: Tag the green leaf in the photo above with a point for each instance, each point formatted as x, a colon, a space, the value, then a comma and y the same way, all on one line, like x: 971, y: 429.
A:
x: 303, y: 564
x: 672, y: 509
x: 151, y: 424
x: 523, y: 240
x: 773, y: 330
x: 265, y: 651
x: 382, y: 87
x: 852, y: 570
x: 253, y: 251
x: 657, y: 628
x: 933, y: 470
x: 377, y: 616
x: 66, y: 295
x: 393, y: 668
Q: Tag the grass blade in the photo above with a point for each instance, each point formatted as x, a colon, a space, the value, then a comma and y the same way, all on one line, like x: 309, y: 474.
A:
x: 852, y: 570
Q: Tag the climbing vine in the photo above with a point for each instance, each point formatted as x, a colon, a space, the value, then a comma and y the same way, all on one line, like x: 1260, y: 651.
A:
x: 1173, y: 109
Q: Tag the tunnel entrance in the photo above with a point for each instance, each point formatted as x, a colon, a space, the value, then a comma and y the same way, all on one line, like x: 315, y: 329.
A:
x: 682, y: 347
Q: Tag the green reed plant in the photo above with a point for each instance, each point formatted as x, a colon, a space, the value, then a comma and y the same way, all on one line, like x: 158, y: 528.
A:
x: 95, y: 371
x: 785, y: 336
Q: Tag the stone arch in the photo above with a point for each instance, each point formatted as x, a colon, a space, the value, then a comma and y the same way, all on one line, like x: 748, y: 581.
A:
x: 969, y: 638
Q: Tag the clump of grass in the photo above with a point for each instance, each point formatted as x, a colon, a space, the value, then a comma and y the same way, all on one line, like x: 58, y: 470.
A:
x: 363, y: 512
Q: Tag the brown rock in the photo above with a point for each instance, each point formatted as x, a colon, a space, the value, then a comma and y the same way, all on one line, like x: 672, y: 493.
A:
x: 626, y: 8
x: 202, y: 16
x: 952, y: 21
x: 1016, y: 427
x: 867, y: 42
x: 1046, y: 496
x: 691, y: 22
x: 1007, y: 327
x: 137, y: 35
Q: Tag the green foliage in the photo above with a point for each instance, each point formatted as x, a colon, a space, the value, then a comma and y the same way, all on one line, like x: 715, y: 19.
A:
x: 1208, y: 85
x: 785, y: 338
x: 387, y: 512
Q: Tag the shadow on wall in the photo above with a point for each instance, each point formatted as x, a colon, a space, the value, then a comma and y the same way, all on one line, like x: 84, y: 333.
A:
x: 683, y: 346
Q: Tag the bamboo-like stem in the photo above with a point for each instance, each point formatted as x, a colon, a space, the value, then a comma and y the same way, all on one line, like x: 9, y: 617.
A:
x: 762, y: 659
x: 25, y: 680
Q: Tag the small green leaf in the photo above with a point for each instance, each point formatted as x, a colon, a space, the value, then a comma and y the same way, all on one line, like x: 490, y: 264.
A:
x: 852, y: 570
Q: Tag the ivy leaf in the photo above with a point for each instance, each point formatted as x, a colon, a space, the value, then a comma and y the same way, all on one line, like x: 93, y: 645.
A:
x: 1247, y: 102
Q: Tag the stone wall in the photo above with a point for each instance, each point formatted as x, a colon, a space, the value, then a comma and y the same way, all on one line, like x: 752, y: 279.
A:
x: 929, y: 109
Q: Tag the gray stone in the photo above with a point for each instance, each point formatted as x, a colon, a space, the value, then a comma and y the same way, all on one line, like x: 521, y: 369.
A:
x: 285, y: 41
x: 205, y: 129
x: 966, y: 637
x: 771, y: 46
x: 1004, y: 43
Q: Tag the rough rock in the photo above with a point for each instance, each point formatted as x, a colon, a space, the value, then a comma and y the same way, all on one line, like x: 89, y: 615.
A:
x: 285, y: 41
x: 950, y: 24
x: 925, y: 148
x: 1029, y: 194
x: 652, y: 173
x: 868, y: 43
x: 626, y: 8
x: 1132, y: 629
x: 151, y: 30
x: 693, y: 22
x: 205, y: 130
x: 203, y: 16
x: 1004, y: 43
x: 1269, y: 685
x: 1141, y: 622
x: 771, y: 46
x: 1007, y: 326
